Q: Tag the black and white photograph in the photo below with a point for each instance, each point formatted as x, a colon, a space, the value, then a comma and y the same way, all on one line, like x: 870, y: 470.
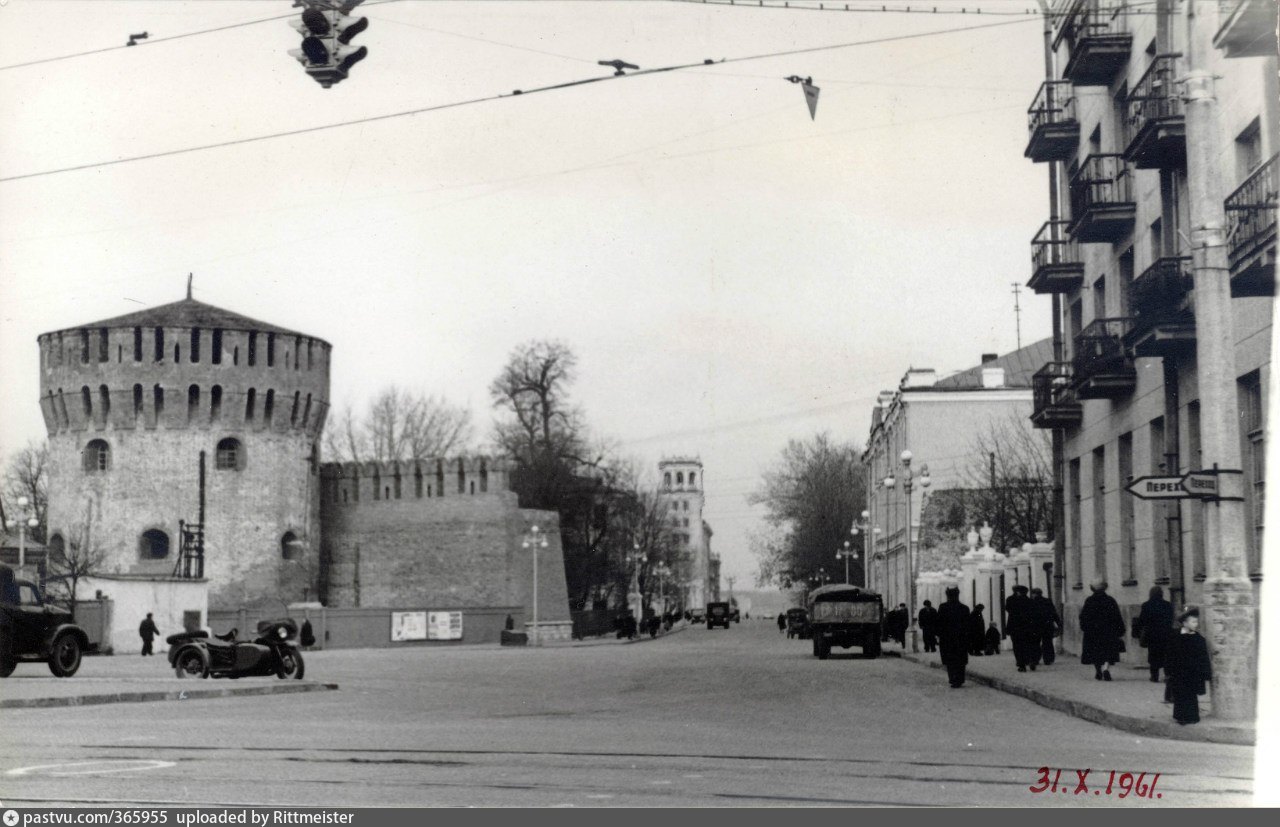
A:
x: 635, y: 404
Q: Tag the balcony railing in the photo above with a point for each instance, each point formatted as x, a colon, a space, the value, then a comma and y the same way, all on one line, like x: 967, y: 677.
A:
x: 1052, y: 127
x: 1251, y: 222
x: 1156, y: 127
x: 1097, y: 41
x: 1163, y: 320
x: 1102, y: 205
x: 1056, y: 265
x: 1248, y: 28
x: 1053, y: 401
x: 1101, y: 365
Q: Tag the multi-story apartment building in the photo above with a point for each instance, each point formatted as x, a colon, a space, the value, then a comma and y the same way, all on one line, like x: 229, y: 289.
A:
x: 1116, y: 248
x: 682, y: 489
x: 938, y: 420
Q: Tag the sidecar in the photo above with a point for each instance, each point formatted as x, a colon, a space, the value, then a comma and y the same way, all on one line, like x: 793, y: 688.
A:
x: 272, y: 652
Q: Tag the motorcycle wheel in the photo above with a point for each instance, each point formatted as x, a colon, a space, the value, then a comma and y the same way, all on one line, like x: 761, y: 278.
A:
x: 191, y: 663
x: 291, y: 665
x: 64, y: 659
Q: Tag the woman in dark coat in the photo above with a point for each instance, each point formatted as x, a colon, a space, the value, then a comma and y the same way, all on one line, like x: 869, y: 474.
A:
x: 953, y: 636
x: 1188, y: 668
x: 977, y: 631
x: 1154, y: 628
x: 1102, y: 627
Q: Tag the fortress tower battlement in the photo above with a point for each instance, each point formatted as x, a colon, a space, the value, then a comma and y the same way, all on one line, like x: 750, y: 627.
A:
x: 351, y: 483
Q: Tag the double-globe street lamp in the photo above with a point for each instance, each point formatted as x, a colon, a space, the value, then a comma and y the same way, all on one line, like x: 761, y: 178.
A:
x: 534, y: 540
x: 908, y: 479
x: 862, y: 526
x: 24, y: 507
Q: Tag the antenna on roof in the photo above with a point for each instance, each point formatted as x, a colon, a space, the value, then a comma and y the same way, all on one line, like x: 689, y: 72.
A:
x: 1017, y: 312
x: 189, y: 275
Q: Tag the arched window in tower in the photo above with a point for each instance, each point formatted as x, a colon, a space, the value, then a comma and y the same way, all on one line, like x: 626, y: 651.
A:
x: 440, y: 477
x: 193, y: 403
x: 215, y: 347
x: 230, y: 455
x: 666, y: 480
x: 310, y: 355
x: 137, y: 344
x: 158, y: 403
x: 153, y: 545
x: 253, y: 348
x: 250, y: 400
x: 62, y: 410
x: 97, y: 456
x: 86, y: 402
x: 462, y: 477
x: 195, y: 345
x: 484, y: 476
x: 177, y: 354
x: 271, y: 350
x: 104, y: 405
x: 84, y: 347
x: 290, y: 546
x: 297, y: 352
x: 215, y: 403
x: 293, y: 412
x: 269, y: 408
x: 693, y: 479
x: 417, y: 480
x: 158, y: 345
x: 235, y: 356
x: 137, y: 403
x: 104, y: 346
x: 314, y: 459
x: 679, y: 478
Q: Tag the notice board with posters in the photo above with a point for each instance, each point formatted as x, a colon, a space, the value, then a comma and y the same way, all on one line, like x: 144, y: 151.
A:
x: 408, y: 626
x: 444, y: 626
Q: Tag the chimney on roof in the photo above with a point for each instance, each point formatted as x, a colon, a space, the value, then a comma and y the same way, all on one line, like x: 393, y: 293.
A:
x: 993, y: 377
x: 919, y: 378
x: 989, y: 357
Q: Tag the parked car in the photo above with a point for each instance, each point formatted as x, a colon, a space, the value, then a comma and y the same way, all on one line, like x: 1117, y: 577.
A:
x: 845, y: 616
x: 32, y: 630
x: 718, y: 614
x: 797, y: 623
x: 697, y: 616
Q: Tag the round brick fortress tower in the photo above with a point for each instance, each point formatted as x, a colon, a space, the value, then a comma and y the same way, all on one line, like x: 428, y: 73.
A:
x: 131, y: 402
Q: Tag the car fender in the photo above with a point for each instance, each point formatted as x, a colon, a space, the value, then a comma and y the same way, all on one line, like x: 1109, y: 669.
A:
x: 63, y: 629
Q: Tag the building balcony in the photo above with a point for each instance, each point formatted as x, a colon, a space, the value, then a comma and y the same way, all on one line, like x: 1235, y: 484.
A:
x: 1251, y: 232
x: 1155, y: 124
x: 1097, y: 43
x: 1056, y: 266
x: 1052, y: 127
x: 1102, y: 205
x: 1101, y: 365
x: 1054, y: 403
x: 1163, y: 318
x: 1248, y: 29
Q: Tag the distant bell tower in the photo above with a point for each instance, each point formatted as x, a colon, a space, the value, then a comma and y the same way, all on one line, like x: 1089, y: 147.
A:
x: 683, y: 493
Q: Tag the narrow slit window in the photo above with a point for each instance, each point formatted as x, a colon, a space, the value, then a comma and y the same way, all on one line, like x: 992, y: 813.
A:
x: 215, y: 347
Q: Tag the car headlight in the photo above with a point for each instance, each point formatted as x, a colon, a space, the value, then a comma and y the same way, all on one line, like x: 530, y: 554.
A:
x: 283, y: 632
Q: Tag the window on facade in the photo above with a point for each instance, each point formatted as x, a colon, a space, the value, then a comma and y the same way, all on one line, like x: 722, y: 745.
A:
x: 417, y: 481
x: 1195, y: 460
x: 158, y: 333
x: 253, y: 348
x: 440, y: 477
x: 271, y: 350
x: 215, y: 348
x: 86, y: 403
x: 250, y: 400
x: 293, y: 412
x: 306, y: 412
x: 193, y: 403
x: 1100, y: 298
x: 84, y: 347
x: 137, y: 403
x: 137, y: 344
x: 157, y: 402
x: 104, y: 346
x: 269, y: 408
x: 97, y: 456
x: 377, y: 485
x: 290, y: 546
x: 679, y: 478
x: 693, y: 478
x: 1249, y: 149
x: 104, y: 405
x: 462, y: 478
x: 230, y: 455
x: 297, y: 352
x: 215, y: 403
x: 153, y: 545
x: 1252, y: 431
x: 195, y: 345
x: 310, y: 355
x: 395, y: 481
x: 666, y: 480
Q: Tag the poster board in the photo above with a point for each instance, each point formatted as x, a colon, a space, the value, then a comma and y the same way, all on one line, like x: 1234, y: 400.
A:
x: 444, y: 626
x: 408, y: 626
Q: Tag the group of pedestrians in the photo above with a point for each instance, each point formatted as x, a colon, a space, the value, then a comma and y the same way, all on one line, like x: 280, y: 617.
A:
x: 1182, y: 653
x: 1031, y: 623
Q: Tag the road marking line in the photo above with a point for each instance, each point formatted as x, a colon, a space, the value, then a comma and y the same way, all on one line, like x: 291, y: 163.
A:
x: 98, y: 768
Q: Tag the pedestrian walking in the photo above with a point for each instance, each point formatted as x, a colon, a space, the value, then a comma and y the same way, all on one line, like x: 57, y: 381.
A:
x: 307, y: 635
x: 1102, y: 629
x: 953, y: 636
x: 1048, y: 624
x: 148, y: 632
x: 977, y: 631
x: 992, y: 641
x: 902, y: 620
x: 928, y: 620
x: 1188, y: 668
x: 782, y: 622
x: 1154, y: 628
x: 1020, y: 625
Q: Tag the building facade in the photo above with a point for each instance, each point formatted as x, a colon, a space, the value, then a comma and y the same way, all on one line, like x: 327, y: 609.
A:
x: 1111, y: 125
x: 939, y: 422
x: 682, y: 489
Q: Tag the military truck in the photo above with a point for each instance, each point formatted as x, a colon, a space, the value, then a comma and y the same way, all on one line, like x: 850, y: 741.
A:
x: 34, y: 630
x: 844, y: 616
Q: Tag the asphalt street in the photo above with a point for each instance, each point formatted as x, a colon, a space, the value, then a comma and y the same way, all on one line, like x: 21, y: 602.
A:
x: 738, y: 717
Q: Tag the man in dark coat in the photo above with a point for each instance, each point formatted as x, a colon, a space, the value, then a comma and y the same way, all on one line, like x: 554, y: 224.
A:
x: 1154, y: 628
x: 928, y: 620
x: 1020, y: 626
x: 782, y: 622
x: 148, y: 632
x: 1188, y: 668
x: 953, y: 636
x: 1048, y: 624
x: 902, y: 620
x: 1102, y: 629
x: 977, y: 631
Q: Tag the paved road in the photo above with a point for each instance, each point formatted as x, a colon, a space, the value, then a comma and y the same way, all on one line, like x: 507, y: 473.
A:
x: 700, y: 718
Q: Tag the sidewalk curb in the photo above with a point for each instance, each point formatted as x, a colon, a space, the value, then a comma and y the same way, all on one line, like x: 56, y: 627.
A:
x: 585, y: 644
x: 1098, y: 715
x: 175, y: 695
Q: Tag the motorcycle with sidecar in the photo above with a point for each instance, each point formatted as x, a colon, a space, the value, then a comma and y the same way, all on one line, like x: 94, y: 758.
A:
x: 272, y: 652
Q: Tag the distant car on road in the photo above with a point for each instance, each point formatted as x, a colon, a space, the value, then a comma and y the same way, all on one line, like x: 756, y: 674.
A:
x: 719, y: 614
x: 845, y: 616
x: 797, y: 623
x: 697, y: 616
x: 32, y: 630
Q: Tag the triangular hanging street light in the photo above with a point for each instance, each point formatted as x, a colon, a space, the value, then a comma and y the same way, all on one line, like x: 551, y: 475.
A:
x: 810, y: 93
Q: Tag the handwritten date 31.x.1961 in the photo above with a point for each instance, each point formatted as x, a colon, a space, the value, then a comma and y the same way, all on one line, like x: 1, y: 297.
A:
x: 1077, y: 782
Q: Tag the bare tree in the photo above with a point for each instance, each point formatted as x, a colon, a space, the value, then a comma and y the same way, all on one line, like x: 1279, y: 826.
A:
x: 1010, y: 481
x: 74, y: 559
x: 399, y: 425
x: 26, y: 474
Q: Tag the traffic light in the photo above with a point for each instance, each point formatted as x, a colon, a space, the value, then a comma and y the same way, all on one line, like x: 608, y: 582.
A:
x: 327, y: 29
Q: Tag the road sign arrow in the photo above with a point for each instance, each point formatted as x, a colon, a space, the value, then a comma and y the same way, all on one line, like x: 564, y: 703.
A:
x: 1158, y: 488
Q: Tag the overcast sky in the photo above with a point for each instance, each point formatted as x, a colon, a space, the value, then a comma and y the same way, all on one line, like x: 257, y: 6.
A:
x: 730, y: 273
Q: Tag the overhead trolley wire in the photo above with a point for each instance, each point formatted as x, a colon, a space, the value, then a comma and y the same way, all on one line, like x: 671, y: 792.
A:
x: 501, y: 96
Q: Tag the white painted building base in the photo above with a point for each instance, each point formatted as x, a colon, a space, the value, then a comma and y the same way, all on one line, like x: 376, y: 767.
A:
x: 133, y: 596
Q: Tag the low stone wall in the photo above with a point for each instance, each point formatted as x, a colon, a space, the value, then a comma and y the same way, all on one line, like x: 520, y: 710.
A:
x: 367, y: 628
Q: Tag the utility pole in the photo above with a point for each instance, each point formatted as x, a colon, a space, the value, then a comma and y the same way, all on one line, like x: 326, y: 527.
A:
x: 1230, y: 614
x: 1017, y: 312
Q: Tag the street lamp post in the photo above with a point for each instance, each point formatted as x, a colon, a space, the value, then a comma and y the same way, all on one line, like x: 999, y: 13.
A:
x: 864, y: 527
x: 847, y: 554
x: 535, y: 540
x: 24, y: 507
x: 638, y: 558
x: 908, y: 478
